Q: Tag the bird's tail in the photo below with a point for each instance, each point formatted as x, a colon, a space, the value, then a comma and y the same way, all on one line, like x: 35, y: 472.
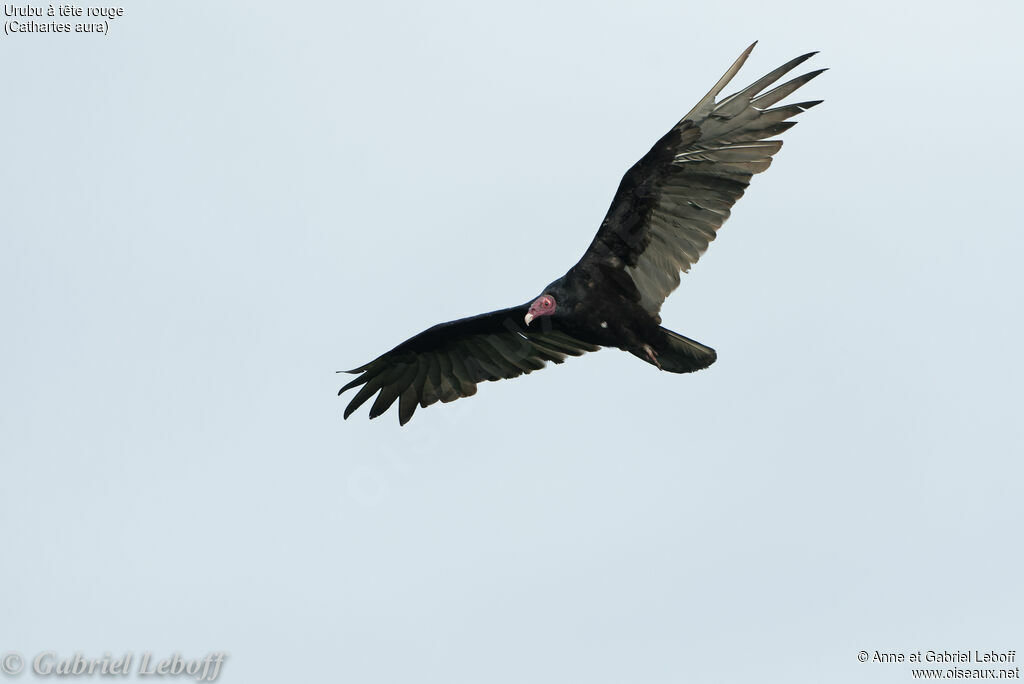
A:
x: 681, y: 354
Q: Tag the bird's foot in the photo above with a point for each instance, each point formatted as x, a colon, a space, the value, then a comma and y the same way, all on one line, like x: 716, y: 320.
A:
x: 652, y: 355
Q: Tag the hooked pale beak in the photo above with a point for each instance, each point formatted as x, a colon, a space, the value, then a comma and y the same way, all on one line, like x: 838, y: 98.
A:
x: 529, y: 317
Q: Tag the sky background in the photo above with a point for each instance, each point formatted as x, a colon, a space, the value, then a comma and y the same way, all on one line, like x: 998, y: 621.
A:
x: 212, y: 209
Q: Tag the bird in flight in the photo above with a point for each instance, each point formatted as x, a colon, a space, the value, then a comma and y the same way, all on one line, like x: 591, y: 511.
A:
x: 664, y: 213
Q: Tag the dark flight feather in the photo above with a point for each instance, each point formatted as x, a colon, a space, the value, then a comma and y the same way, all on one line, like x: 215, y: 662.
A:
x: 447, y: 361
x: 671, y: 203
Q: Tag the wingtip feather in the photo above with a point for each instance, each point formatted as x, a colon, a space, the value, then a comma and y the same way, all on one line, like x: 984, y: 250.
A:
x: 730, y: 73
x: 354, y: 383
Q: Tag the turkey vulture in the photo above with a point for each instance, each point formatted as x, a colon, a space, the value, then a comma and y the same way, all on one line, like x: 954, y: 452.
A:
x: 664, y: 213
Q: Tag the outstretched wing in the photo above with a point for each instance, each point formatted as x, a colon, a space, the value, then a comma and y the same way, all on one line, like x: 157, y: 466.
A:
x: 447, y: 361
x: 671, y: 202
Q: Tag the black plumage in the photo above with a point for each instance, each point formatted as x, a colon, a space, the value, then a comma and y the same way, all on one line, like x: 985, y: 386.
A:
x: 665, y: 212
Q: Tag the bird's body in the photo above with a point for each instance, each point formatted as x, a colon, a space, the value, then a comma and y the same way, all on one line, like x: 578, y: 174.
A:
x: 603, y: 308
x: 664, y: 213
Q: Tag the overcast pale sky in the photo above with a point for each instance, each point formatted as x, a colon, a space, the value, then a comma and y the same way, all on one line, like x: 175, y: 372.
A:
x: 213, y: 208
